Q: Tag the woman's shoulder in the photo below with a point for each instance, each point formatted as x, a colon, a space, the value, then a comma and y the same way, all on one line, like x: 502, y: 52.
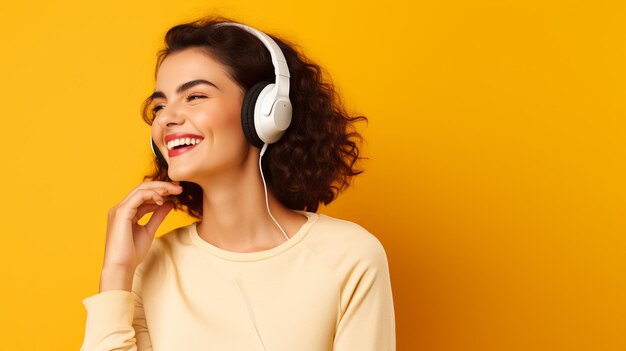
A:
x: 343, y: 229
x: 346, y: 238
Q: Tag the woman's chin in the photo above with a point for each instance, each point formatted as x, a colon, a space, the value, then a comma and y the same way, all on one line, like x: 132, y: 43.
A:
x: 180, y: 176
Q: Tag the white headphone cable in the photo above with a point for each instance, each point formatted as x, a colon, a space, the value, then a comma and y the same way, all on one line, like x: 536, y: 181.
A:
x: 265, y: 187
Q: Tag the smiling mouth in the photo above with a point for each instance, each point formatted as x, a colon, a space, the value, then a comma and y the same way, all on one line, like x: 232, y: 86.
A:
x: 176, y: 150
x: 182, y: 142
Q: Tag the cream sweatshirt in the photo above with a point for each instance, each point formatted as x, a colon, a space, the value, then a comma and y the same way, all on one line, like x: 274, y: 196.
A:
x: 326, y: 288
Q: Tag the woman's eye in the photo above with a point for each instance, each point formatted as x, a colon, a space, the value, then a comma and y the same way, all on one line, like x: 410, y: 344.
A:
x: 155, y: 109
x: 191, y: 97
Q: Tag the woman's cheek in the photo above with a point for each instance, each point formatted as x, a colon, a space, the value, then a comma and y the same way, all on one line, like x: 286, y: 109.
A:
x: 230, y: 121
x: 156, y: 134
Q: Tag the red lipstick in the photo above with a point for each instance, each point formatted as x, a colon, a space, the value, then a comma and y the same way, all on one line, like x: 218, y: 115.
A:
x: 181, y: 149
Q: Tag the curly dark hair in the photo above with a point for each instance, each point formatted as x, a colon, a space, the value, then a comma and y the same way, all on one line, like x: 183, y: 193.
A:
x: 314, y: 160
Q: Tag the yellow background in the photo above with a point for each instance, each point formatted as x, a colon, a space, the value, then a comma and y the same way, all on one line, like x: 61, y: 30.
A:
x: 496, y: 144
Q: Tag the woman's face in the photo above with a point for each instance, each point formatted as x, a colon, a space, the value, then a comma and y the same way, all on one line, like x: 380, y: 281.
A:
x: 211, y: 112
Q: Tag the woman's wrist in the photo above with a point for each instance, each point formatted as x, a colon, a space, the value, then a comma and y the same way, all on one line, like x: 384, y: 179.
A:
x: 116, y: 278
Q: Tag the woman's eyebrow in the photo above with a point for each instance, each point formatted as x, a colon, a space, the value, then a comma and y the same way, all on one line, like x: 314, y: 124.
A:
x: 183, y: 87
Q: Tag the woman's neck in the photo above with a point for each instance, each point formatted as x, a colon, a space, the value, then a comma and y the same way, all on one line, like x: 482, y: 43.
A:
x: 235, y: 216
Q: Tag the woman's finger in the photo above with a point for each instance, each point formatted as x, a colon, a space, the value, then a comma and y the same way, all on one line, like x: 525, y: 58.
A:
x: 158, y: 216
x: 128, y: 208
x: 143, y: 210
x: 168, y: 187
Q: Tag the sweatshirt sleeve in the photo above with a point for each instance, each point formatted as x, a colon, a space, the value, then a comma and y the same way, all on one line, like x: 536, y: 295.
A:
x: 116, y: 321
x: 368, y: 319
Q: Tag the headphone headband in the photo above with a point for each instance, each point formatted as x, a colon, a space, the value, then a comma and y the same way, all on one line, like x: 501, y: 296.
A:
x: 278, y: 59
x: 281, y: 70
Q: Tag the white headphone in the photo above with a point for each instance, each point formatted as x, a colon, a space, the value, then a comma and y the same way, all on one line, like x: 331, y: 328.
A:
x: 266, y: 110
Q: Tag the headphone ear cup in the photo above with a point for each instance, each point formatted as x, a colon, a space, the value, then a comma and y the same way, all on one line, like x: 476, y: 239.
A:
x: 247, y: 113
x: 157, y: 153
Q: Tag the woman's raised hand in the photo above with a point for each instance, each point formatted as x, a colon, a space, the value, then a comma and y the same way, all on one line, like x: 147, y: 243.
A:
x: 127, y: 242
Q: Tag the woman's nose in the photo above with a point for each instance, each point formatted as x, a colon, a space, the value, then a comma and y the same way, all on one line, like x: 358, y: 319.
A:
x: 170, y: 115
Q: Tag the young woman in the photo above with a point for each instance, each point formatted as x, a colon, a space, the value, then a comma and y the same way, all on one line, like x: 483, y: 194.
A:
x: 248, y: 139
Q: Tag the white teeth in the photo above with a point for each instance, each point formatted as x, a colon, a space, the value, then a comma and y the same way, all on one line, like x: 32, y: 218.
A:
x: 182, y: 141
